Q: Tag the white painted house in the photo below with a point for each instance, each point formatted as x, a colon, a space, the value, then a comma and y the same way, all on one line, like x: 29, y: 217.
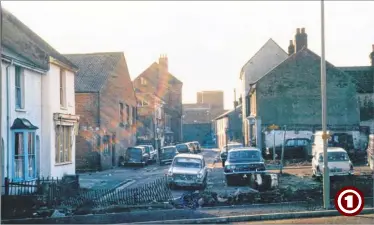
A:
x: 269, y: 56
x: 38, y: 118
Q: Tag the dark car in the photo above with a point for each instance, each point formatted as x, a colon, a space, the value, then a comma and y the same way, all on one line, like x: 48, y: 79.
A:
x: 226, y: 149
x: 197, y: 146
x: 167, y: 154
x: 136, y: 156
x: 242, y: 162
x: 294, y: 148
x: 183, y: 148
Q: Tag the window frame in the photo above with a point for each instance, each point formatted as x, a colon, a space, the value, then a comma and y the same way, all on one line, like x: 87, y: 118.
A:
x: 121, y: 114
x: 19, y: 90
x: 62, y: 88
x: 65, y: 152
x: 25, y: 143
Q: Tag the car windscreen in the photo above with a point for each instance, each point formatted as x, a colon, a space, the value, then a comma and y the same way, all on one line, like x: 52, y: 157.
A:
x: 187, y: 162
x: 168, y: 150
x: 147, y: 149
x: 182, y: 148
x: 238, y: 156
x: 335, y: 157
x: 134, y: 153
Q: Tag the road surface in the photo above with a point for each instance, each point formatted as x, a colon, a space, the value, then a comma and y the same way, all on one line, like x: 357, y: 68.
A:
x: 300, y: 176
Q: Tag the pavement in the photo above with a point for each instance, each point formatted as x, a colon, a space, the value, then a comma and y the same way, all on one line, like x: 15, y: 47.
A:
x: 359, y: 219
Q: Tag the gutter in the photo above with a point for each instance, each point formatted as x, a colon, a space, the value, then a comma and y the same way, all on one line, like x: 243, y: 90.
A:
x: 8, y: 114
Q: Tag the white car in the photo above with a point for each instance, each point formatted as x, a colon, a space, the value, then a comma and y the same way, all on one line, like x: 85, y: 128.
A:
x: 188, y: 170
x: 338, y: 162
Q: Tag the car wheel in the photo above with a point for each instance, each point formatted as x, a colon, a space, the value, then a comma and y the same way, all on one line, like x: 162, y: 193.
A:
x: 223, y: 163
x: 161, y: 163
x: 171, y: 186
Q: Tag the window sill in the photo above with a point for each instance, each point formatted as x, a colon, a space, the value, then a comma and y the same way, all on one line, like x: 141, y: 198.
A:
x: 63, y: 164
x: 63, y: 108
x: 21, y: 110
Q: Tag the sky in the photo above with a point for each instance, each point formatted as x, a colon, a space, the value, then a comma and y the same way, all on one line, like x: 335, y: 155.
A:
x: 207, y: 43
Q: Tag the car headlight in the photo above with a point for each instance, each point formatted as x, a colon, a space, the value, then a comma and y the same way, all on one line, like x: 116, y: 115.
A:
x: 230, y: 167
x: 199, y: 175
x: 170, y: 173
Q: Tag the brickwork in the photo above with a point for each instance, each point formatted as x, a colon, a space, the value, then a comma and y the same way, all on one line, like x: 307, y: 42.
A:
x: 291, y: 94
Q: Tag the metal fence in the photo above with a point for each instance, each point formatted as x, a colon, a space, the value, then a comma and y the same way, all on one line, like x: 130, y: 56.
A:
x: 156, y: 191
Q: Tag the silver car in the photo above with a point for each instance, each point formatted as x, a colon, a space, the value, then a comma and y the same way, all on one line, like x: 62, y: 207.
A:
x: 188, y: 170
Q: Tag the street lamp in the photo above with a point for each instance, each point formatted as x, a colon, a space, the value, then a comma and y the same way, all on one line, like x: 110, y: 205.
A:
x: 326, y: 177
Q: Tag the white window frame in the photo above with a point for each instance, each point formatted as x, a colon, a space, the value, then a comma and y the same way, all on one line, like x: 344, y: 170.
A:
x: 19, y: 88
x: 64, y: 144
x: 25, y: 175
x: 62, y: 88
x: 143, y: 81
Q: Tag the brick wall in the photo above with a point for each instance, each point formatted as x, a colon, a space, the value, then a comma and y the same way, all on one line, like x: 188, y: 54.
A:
x: 291, y: 94
x: 86, y: 106
x: 119, y: 88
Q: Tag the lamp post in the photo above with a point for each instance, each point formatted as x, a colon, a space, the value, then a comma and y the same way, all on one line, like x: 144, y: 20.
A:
x: 325, y: 136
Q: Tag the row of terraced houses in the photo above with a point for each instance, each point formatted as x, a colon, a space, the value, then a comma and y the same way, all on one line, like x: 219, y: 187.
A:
x: 66, y: 112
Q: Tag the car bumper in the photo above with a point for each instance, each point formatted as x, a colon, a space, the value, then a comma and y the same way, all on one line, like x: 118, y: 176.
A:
x: 166, y: 160
x: 337, y: 174
x: 186, y: 183
x: 242, y: 173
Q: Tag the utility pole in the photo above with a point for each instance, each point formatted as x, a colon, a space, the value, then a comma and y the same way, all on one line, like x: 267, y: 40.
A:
x: 284, y: 143
x: 1, y: 91
x: 326, y: 177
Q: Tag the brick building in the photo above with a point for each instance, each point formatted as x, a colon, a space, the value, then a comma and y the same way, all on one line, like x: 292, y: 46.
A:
x: 157, y: 79
x: 106, y: 102
x: 290, y: 94
x: 363, y: 77
x: 212, y: 98
x: 228, y: 127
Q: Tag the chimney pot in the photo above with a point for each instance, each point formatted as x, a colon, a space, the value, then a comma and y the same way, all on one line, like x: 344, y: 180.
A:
x: 372, y: 47
x: 291, y: 42
x: 297, y: 30
x: 303, y: 30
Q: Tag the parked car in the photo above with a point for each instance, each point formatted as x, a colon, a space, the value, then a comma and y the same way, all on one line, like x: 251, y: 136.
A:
x: 188, y: 170
x: 370, y: 151
x: 226, y: 149
x: 136, y: 156
x: 184, y: 148
x: 294, y: 148
x: 242, y: 162
x: 192, y: 147
x: 167, y: 154
x: 338, y: 162
x: 197, y: 146
x: 151, y: 151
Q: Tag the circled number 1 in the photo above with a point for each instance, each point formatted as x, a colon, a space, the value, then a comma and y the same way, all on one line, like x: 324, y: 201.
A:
x: 349, y: 200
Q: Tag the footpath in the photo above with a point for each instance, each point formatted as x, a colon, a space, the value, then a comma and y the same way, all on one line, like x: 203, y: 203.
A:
x: 201, y: 215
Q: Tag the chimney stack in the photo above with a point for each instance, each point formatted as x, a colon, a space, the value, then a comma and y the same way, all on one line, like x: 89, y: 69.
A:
x: 163, y: 65
x: 291, y: 48
x: 301, y: 39
x: 372, y: 56
x: 235, y: 102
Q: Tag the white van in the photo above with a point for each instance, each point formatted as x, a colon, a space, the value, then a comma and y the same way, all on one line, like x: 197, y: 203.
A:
x: 338, y: 162
x: 349, y: 141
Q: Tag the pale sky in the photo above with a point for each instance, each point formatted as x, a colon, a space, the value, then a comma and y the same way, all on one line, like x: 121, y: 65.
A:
x: 207, y: 43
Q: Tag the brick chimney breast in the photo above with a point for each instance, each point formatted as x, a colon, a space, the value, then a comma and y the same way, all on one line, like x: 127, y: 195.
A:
x: 297, y: 40
x: 291, y: 48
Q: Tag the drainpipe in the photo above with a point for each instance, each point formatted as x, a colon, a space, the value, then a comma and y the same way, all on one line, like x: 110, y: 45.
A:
x: 8, y: 115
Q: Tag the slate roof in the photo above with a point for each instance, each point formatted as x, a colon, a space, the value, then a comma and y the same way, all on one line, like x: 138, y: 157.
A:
x: 237, y: 109
x: 294, y: 57
x: 270, y: 43
x: 23, y: 41
x: 94, y: 69
x: 363, y: 77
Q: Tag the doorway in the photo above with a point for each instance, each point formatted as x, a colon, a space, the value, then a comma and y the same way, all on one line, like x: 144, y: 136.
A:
x: 113, y: 147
